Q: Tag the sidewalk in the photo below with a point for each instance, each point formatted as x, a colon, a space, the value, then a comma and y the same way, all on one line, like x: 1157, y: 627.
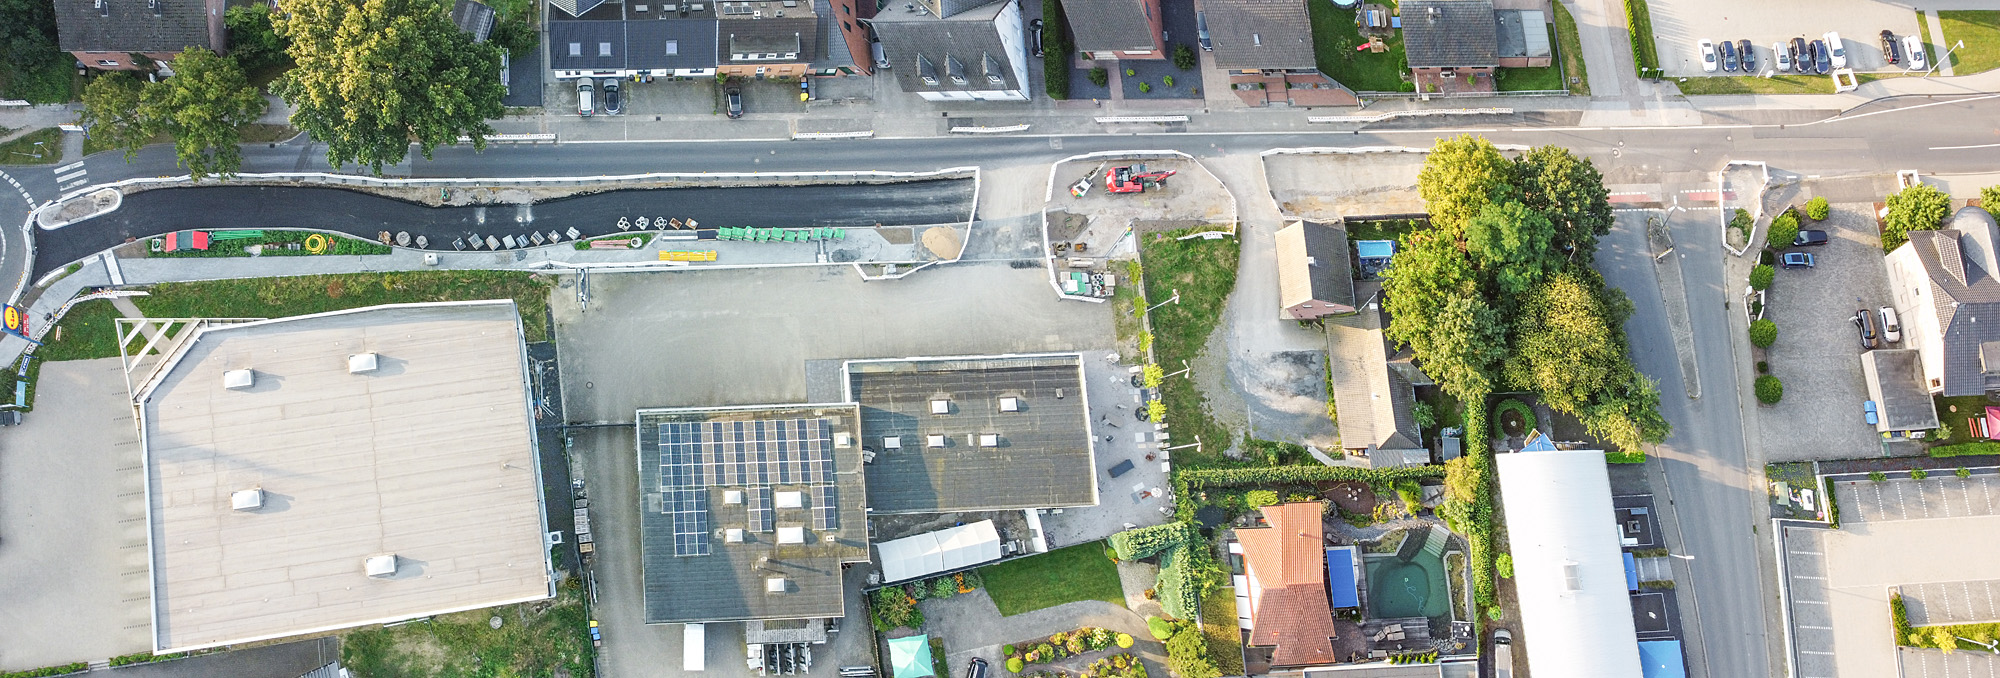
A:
x: 25, y: 119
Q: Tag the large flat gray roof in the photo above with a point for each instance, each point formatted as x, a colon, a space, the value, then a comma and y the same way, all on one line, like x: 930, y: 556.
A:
x: 1040, y: 459
x: 430, y: 457
x: 716, y: 487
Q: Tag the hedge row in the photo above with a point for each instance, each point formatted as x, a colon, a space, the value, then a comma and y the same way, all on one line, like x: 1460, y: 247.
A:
x: 1966, y: 449
x: 1278, y: 475
x: 1185, y: 563
x: 58, y: 670
x: 1147, y: 541
x: 1055, y: 45
x: 1478, y: 527
x: 1635, y: 457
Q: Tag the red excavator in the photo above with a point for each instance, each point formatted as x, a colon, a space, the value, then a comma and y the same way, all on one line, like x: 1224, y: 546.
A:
x: 1134, y: 179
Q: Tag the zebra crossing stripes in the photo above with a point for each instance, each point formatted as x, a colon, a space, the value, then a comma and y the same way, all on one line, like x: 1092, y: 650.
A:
x: 71, y: 176
x: 17, y: 186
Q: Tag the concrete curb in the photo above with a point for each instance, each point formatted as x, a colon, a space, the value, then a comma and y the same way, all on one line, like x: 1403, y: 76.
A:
x: 1756, y: 216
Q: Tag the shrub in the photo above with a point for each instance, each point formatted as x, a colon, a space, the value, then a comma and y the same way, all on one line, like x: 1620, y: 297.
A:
x: 1966, y: 449
x: 1763, y: 333
x: 1760, y: 276
x: 1055, y: 43
x: 1763, y: 367
x: 1260, y: 498
x: 1129, y: 72
x: 1014, y: 664
x: 1505, y: 565
x: 919, y: 590
x: 972, y: 580
x: 1633, y: 457
x: 1007, y: 650
x: 1167, y: 79
x: 1963, y: 472
x: 1187, y: 654
x: 1160, y: 628
x: 1145, y: 87
x: 1742, y: 222
x: 1100, y: 77
x: 1818, y: 210
x: 1124, y: 640
x: 1989, y: 198
x: 1917, y: 208
x: 1184, y: 59
x: 943, y: 587
x: 1784, y: 229
x: 1424, y: 415
x: 1877, y: 476
x: 1919, y: 474
x: 1769, y: 390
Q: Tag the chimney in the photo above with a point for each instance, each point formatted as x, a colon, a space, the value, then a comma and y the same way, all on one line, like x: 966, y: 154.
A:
x: 1432, y: 14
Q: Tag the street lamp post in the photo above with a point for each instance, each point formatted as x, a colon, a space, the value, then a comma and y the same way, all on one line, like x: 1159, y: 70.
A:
x: 1940, y: 60
x: 1176, y: 299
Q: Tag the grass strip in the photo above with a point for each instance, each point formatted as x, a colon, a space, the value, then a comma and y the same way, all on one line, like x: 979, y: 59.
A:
x: 1754, y: 84
x: 1065, y: 575
x: 1571, y: 51
x: 1203, y: 272
x: 22, y: 150
x: 1979, y: 29
x: 547, y: 638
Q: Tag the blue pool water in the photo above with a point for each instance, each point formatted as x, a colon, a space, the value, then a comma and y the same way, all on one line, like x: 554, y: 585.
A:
x: 1375, y: 249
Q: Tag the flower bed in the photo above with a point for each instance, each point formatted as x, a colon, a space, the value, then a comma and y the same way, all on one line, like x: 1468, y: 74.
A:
x: 1067, y: 644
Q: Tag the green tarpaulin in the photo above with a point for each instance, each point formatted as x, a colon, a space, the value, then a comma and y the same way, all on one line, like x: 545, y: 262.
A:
x: 911, y: 657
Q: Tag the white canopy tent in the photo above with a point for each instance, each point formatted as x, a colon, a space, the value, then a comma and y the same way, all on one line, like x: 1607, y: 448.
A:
x: 1575, y: 610
x: 940, y: 551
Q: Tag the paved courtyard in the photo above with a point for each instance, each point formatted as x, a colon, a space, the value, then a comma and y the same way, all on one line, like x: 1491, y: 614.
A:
x: 73, y: 566
x: 1817, y: 354
x: 1678, y: 24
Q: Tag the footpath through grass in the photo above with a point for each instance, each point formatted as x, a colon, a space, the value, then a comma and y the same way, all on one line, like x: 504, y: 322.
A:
x: 22, y: 150
x: 549, y: 638
x: 1065, y: 575
x: 1334, y: 40
x: 1980, y: 29
x: 1204, y: 272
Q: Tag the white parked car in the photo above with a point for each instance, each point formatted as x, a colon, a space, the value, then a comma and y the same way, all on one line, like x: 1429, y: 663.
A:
x: 1892, y: 327
x: 1778, y: 54
x: 1708, y: 60
x: 584, y: 88
x: 1914, y: 57
x: 1838, y: 48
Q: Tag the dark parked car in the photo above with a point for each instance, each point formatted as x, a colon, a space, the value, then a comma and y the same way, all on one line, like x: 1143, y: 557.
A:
x: 1800, y: 56
x: 1864, y: 325
x: 1749, y: 56
x: 735, y: 95
x: 614, y: 102
x: 1809, y: 237
x: 1892, y: 49
x: 977, y: 669
x: 1797, y: 260
x: 1822, y: 58
x: 1035, y: 31
x: 1729, y: 60
x: 1201, y: 32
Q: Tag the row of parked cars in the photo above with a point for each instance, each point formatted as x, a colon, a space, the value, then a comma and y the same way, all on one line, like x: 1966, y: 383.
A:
x: 1815, y: 57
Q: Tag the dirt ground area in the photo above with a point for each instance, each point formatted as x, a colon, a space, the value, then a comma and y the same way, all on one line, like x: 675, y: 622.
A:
x: 1328, y: 187
x: 1097, y: 222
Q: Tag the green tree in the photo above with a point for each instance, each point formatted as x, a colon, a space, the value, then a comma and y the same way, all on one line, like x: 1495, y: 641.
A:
x: 111, y: 112
x: 252, y: 42
x: 1761, y: 275
x: 1184, y: 57
x: 1628, y: 412
x: 1763, y: 333
x: 1817, y: 209
x: 201, y: 107
x: 1570, y: 191
x: 1917, y: 208
x: 1989, y: 198
x: 1565, y: 347
x: 1769, y: 390
x: 516, y: 33
x: 1505, y: 565
x: 1459, y: 178
x: 373, y: 77
x: 1510, y: 244
x: 1783, y: 230
x: 28, y: 34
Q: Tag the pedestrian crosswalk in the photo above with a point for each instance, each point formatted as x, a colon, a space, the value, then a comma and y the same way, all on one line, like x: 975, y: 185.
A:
x: 72, y: 176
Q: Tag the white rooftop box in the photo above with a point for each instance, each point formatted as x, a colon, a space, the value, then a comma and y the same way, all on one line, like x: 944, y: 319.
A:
x: 842, y: 439
x: 940, y: 406
x: 892, y: 443
x: 935, y: 440
x: 247, y: 500
x: 1010, y: 404
x: 791, y: 535
x: 989, y: 440
x: 733, y: 535
x: 236, y: 379
x: 790, y: 500
x: 732, y: 496
x: 381, y: 566
x: 362, y: 363
x: 774, y: 584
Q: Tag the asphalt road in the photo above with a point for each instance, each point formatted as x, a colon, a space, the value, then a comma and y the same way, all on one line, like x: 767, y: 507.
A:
x: 364, y: 215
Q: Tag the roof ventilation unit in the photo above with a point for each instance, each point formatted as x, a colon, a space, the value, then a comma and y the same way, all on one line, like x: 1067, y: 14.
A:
x: 989, y: 440
x: 362, y: 363
x: 935, y: 440
x: 941, y: 406
x: 239, y: 379
x: 791, y: 535
x: 842, y: 439
x: 1010, y: 404
x: 381, y: 566
x: 732, y: 496
x: 733, y: 535
x: 774, y: 584
x: 791, y: 500
x: 247, y: 500
x: 892, y: 443
x: 1572, y: 581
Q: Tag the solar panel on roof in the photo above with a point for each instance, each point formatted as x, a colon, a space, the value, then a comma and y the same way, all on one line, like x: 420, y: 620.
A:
x: 826, y: 516
x: 760, y: 509
x: 695, y: 456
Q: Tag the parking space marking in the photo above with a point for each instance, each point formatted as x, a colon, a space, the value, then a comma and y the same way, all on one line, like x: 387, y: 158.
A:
x: 1807, y: 576
x: 1809, y: 602
x: 1814, y: 554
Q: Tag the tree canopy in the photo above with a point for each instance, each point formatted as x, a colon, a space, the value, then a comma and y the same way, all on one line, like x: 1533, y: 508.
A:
x: 201, y: 107
x: 252, y: 41
x: 1511, y: 244
x: 373, y: 77
x: 1565, y: 347
x: 111, y: 112
x: 1459, y: 179
x: 1917, y: 208
x: 1570, y: 192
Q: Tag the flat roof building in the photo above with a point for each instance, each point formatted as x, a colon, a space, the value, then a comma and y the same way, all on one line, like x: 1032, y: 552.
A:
x: 341, y: 469
x: 1575, y: 609
x: 749, y: 512
x: 975, y: 433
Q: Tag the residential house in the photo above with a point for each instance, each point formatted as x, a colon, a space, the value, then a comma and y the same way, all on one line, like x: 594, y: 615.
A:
x: 107, y: 34
x: 766, y: 39
x: 1374, y: 387
x: 955, y: 50
x: 1945, y: 293
x: 1452, y: 45
x: 1314, y: 276
x: 1895, y: 379
x: 641, y: 47
x: 1266, y: 47
x: 473, y: 18
x: 848, y: 45
x: 1117, y: 29
x: 1521, y: 38
x: 1284, y: 567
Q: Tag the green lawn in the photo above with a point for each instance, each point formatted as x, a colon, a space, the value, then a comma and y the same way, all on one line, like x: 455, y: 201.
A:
x: 530, y: 642
x: 1065, y: 575
x: 86, y: 332
x: 1204, y: 271
x: 1218, y: 625
x: 1544, y: 78
x: 1334, y: 40
x: 22, y: 151
x: 1968, y: 407
x: 1645, y: 55
x: 1751, y: 84
x: 1980, y: 29
x: 1570, y: 49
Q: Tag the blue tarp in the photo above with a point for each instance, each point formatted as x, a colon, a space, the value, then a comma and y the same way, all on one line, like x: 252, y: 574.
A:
x: 1631, y: 573
x: 1661, y: 659
x: 1340, y: 578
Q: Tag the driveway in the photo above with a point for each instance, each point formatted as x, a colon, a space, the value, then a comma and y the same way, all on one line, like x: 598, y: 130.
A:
x: 972, y: 627
x: 1817, y: 354
x: 1678, y: 24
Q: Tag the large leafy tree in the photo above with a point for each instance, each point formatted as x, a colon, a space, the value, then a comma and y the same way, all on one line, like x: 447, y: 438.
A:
x: 1511, y: 245
x: 1917, y: 208
x: 1570, y: 192
x: 371, y: 77
x: 111, y: 112
x: 201, y: 107
x: 252, y: 41
x: 1459, y: 179
x: 27, y: 34
x: 1565, y: 345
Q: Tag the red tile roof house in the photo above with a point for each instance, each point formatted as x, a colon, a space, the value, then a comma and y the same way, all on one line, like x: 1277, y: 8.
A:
x: 104, y: 34
x: 1285, y: 565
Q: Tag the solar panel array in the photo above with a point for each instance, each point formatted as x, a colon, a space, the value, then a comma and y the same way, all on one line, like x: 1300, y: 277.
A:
x: 695, y: 456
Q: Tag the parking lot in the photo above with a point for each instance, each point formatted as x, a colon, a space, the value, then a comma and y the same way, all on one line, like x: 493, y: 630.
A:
x: 1818, y: 354
x: 693, y: 96
x: 1679, y: 24
x: 1942, y: 495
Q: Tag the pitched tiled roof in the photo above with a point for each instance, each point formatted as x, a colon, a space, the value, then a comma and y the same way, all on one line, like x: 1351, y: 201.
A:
x: 1450, y: 33
x: 1313, y: 265
x: 1108, y: 25
x: 1964, y: 295
x: 638, y: 45
x: 132, y: 25
x: 1286, y: 563
x: 973, y: 37
x: 795, y: 33
x: 1374, y: 400
x: 473, y: 18
x: 1259, y: 34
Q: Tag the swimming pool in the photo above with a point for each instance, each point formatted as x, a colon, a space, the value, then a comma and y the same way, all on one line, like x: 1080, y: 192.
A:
x: 1413, y: 588
x: 1375, y: 249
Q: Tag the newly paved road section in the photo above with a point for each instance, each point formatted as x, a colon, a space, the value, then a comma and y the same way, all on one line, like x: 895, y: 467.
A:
x: 364, y: 215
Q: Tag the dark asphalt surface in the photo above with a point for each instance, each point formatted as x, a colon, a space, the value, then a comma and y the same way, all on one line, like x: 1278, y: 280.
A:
x: 288, y: 660
x: 363, y: 215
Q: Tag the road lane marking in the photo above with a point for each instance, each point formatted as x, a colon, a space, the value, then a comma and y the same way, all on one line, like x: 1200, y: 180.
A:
x: 1963, y: 148
x: 1809, y: 602
x: 68, y: 167
x: 1816, y: 628
x: 74, y: 175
